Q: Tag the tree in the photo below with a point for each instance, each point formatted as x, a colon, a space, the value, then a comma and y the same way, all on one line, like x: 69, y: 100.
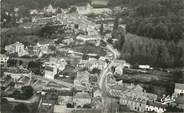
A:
x: 52, y: 48
x: 96, y: 70
x: 35, y: 67
x: 101, y: 29
x: 21, y: 108
x: 119, y: 34
x: 73, y: 10
x: 69, y: 105
x: 116, y: 23
x: 16, y: 94
x: 161, y: 31
x: 27, y: 92
x: 87, y: 106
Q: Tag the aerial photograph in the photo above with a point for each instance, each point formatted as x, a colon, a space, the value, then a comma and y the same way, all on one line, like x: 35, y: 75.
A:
x: 92, y: 56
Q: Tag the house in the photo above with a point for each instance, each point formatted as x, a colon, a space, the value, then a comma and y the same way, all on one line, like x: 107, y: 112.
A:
x: 180, y: 102
x: 33, y: 12
x: 83, y: 8
x: 179, y: 89
x: 53, y: 66
x: 68, y: 41
x: 130, y: 90
x: 61, y: 109
x: 99, y: 3
x: 127, y: 65
x: 123, y: 28
x: 119, y: 65
x: 47, y: 102
x: 16, y: 73
x: 22, y: 81
x: 102, y: 11
x: 99, y: 64
x: 97, y: 93
x: 81, y: 99
x: 16, y: 9
x: 145, y: 67
x: 3, y: 59
x: 59, y: 63
x: 153, y: 106
x: 42, y: 48
x: 16, y: 48
x: 136, y: 99
x: 86, y: 38
x: 43, y: 20
x: 134, y: 104
x: 81, y: 82
x: 119, y: 70
x: 50, y: 10
x: 92, y: 63
x: 65, y: 99
x: 50, y: 72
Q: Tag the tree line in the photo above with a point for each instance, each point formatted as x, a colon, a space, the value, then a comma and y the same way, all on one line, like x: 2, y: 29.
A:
x: 158, y: 19
x: 154, y: 52
x: 158, y: 26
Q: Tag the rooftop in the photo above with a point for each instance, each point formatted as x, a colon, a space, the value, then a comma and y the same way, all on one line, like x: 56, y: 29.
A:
x: 48, y: 68
x: 179, y: 86
x: 16, y: 44
x: 24, y: 79
x: 180, y: 100
x: 156, y: 104
x: 82, y: 95
x: 2, y: 55
x: 82, y: 74
x: 59, y: 109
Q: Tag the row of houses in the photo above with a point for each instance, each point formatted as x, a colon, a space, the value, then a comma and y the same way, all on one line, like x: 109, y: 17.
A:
x: 135, y: 97
x: 34, y: 50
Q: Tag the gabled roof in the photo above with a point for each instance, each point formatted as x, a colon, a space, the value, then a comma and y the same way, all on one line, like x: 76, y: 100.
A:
x: 82, y: 95
x: 48, y: 68
x: 82, y: 74
x: 99, y: 3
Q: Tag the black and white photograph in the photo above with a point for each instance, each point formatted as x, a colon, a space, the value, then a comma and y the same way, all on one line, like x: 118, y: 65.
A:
x: 92, y: 56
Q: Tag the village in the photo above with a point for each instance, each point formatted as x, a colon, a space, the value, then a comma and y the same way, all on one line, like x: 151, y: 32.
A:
x: 78, y: 71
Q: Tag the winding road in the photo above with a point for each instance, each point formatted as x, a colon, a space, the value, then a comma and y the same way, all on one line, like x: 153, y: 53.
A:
x: 110, y: 104
x: 106, y: 70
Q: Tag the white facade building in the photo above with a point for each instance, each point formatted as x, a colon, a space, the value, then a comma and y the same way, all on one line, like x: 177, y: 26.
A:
x: 50, y: 10
x: 53, y: 66
x: 50, y: 72
x: 3, y: 59
x: 84, y: 8
x: 179, y: 89
x: 81, y: 99
x: 16, y: 48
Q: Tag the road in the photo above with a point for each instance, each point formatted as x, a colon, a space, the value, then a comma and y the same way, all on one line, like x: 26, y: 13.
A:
x: 110, y: 104
x: 105, y: 71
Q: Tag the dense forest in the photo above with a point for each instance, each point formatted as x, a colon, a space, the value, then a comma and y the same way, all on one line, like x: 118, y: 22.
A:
x: 157, y: 19
x: 155, y: 52
x: 39, y: 4
x: 158, y: 26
